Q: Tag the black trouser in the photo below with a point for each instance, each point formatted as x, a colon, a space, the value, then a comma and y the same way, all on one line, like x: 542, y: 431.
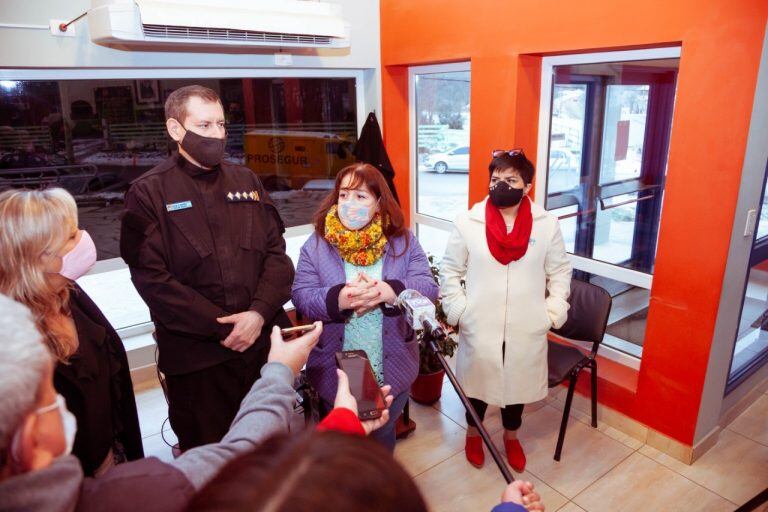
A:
x: 203, y: 404
x: 511, y: 415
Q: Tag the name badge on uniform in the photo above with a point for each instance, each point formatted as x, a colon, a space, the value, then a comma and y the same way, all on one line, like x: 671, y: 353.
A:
x: 183, y: 205
x: 239, y: 197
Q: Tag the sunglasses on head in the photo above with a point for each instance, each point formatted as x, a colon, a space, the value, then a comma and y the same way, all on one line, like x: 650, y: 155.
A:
x: 512, y: 152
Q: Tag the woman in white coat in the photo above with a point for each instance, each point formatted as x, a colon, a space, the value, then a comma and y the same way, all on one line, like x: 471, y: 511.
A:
x: 511, y: 254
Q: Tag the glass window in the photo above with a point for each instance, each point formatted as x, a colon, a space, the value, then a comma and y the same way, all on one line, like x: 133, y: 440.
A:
x: 442, y: 141
x: 432, y: 240
x: 93, y: 137
x: 762, y: 225
x: 608, y: 145
x: 623, y: 132
x: 629, y: 312
x: 615, y: 229
x: 752, y: 339
x: 569, y: 109
x: 751, y: 348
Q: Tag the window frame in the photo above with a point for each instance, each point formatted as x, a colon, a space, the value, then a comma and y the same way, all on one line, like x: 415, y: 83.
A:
x: 413, y: 167
x: 48, y: 74
x: 633, y: 277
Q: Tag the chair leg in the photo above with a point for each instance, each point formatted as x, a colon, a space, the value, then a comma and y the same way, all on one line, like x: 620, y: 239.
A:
x: 566, y: 412
x: 593, y: 366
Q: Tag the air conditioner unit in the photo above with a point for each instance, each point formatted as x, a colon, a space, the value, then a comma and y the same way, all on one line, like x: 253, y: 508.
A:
x: 211, y: 24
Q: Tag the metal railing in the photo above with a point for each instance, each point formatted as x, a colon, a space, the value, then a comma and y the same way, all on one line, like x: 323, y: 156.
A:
x: 19, y: 136
x: 74, y: 178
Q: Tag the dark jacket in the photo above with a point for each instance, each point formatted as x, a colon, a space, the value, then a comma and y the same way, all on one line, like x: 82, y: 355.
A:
x: 202, y: 244
x: 96, y: 384
x: 370, y: 149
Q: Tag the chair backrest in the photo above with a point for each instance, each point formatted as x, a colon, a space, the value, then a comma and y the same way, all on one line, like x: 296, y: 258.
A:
x: 588, y: 315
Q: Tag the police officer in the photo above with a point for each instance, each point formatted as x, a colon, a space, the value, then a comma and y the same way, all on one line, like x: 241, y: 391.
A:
x: 205, y: 249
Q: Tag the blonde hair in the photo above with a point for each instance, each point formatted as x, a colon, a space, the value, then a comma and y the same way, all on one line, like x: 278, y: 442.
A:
x: 34, y: 223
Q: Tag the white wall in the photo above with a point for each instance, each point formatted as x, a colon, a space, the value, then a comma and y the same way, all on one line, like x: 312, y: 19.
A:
x: 37, y: 48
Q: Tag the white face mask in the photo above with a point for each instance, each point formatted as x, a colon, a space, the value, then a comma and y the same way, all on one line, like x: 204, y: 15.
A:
x: 68, y: 423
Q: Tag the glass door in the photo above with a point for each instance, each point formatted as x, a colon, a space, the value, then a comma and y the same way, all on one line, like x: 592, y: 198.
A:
x: 609, y: 128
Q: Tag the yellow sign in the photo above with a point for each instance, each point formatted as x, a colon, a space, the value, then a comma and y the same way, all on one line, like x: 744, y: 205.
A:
x: 297, y: 156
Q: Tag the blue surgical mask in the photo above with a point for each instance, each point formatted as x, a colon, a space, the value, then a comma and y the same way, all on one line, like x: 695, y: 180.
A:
x: 355, y: 215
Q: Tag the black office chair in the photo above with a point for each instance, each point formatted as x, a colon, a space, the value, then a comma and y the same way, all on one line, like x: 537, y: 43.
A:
x: 587, y: 320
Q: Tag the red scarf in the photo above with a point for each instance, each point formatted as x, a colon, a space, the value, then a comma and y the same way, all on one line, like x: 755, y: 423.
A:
x: 508, y: 247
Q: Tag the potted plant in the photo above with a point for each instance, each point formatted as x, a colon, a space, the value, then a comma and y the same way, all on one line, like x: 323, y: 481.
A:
x: 428, y: 386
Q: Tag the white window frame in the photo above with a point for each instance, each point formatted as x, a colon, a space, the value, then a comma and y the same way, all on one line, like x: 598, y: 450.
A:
x: 108, y: 265
x: 413, y: 167
x: 600, y: 268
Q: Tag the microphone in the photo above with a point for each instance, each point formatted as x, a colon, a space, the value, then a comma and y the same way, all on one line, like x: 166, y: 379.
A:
x: 420, y: 312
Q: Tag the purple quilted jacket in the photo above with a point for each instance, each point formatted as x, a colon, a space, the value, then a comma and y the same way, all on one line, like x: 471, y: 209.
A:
x: 319, y: 279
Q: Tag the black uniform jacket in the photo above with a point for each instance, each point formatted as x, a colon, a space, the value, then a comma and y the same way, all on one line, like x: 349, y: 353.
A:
x: 96, y: 384
x: 203, y: 244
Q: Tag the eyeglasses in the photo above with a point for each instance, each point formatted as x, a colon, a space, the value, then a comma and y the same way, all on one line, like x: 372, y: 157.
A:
x: 512, y: 152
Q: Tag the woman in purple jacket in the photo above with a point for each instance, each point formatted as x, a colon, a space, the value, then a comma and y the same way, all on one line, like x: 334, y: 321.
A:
x: 350, y: 272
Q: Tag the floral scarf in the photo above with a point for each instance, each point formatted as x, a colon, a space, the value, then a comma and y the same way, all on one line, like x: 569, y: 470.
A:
x: 361, y: 248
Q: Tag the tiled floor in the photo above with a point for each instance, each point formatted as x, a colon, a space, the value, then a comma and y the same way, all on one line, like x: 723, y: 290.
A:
x: 601, y: 469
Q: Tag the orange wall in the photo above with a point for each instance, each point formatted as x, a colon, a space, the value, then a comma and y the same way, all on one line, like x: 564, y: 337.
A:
x: 504, y: 40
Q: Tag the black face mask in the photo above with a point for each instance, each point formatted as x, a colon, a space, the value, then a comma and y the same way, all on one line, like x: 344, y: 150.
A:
x: 503, y: 195
x: 208, y: 151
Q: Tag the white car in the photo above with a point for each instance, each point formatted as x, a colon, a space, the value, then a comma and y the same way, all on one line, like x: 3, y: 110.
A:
x: 456, y: 159
x: 562, y: 160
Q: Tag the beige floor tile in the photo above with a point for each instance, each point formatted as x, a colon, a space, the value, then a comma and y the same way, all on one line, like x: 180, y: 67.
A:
x: 152, y: 409
x: 450, y: 405
x: 587, y: 453
x: 569, y: 507
x: 641, y: 484
x: 435, y: 439
x: 154, y: 446
x: 581, y: 410
x: 454, y: 485
x: 753, y: 423
x: 736, y: 468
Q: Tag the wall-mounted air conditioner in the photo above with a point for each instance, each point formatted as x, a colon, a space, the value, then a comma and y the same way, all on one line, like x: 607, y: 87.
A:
x: 214, y: 24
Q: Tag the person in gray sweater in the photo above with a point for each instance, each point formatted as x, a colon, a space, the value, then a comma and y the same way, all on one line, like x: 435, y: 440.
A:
x: 36, y: 432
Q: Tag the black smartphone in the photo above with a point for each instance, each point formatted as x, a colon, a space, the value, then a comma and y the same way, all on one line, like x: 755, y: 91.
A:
x: 362, y: 383
x: 291, y: 332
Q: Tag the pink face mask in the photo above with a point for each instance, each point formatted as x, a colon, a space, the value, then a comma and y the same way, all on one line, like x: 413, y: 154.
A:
x: 77, y: 262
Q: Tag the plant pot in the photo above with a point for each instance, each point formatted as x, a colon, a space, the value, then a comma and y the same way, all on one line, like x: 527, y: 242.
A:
x: 428, y: 387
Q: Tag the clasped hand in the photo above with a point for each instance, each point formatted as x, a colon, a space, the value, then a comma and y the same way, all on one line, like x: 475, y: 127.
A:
x: 364, y: 293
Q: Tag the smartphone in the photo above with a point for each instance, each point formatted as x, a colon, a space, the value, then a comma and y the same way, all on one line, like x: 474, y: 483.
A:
x: 297, y: 331
x: 362, y: 383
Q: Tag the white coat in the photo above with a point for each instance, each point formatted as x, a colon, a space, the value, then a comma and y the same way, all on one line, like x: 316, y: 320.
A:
x: 504, y: 304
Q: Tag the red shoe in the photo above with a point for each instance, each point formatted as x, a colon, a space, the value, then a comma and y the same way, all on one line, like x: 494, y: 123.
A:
x: 473, y: 449
x: 515, y: 454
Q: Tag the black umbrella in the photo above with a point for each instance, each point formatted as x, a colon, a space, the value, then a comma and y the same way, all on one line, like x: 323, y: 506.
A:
x: 370, y: 150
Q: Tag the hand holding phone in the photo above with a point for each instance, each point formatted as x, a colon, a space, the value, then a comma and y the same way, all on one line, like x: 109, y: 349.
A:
x: 292, y: 332
x: 362, y: 383
x: 345, y: 400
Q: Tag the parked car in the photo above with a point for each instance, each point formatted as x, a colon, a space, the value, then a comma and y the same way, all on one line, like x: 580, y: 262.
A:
x: 456, y: 159
x: 562, y: 160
